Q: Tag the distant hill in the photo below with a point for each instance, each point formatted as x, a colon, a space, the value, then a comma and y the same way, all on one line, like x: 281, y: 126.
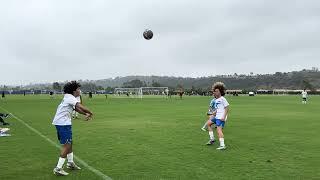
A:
x: 290, y: 80
x: 309, y: 79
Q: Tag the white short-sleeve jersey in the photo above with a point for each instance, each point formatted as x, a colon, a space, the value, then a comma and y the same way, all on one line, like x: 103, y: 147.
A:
x: 64, y: 110
x: 220, y: 104
x: 304, y: 94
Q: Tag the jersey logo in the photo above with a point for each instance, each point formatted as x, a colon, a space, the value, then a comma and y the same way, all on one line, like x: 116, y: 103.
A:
x: 216, y: 104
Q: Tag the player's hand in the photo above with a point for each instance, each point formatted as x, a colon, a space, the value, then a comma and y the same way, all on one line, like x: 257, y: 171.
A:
x: 88, y: 116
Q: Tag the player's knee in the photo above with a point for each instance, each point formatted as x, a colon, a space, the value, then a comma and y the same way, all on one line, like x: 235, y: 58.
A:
x: 219, y: 130
x: 67, y: 146
x: 63, y: 153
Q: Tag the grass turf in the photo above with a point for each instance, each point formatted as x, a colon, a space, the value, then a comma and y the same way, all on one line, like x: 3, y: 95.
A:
x: 268, y: 137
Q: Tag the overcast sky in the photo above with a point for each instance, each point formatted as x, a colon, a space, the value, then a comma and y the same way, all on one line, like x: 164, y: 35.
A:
x: 55, y: 40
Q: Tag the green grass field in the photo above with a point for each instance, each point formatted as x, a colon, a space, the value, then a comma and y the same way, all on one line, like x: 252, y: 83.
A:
x: 268, y: 137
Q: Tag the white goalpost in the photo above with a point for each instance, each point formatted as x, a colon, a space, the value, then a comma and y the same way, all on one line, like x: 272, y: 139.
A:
x: 160, y: 91
x: 140, y: 92
x: 129, y: 92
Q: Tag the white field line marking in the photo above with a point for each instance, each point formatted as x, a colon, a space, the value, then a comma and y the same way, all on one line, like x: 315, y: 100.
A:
x: 92, y: 169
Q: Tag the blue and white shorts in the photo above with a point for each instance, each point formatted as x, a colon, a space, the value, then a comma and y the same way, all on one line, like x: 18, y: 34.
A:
x: 64, y: 134
x: 218, y: 122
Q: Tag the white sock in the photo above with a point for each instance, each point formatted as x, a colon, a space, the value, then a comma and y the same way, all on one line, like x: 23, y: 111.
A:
x: 60, y: 162
x: 70, y: 157
x: 221, y: 142
x: 211, y: 135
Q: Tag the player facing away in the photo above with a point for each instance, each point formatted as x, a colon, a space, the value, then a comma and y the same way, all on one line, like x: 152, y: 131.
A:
x: 222, y: 109
x: 211, y: 113
x: 181, y: 94
x: 51, y: 94
x: 166, y: 91
x: 304, y: 96
x: 62, y: 122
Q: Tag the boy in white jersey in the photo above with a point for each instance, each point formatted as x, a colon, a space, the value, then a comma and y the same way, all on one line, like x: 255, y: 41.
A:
x: 304, y: 96
x: 62, y: 122
x: 222, y: 109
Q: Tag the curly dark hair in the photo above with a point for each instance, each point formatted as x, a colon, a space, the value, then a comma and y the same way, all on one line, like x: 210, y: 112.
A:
x: 70, y: 87
x: 221, y: 87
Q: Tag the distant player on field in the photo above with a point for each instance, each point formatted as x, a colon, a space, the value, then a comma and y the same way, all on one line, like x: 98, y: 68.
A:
x: 166, y: 91
x: 180, y: 94
x: 222, y: 109
x: 62, y: 121
x: 304, y: 96
x: 51, y: 94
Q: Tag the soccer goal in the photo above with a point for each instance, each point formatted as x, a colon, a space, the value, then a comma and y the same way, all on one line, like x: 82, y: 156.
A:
x: 155, y: 91
x: 142, y: 91
x: 128, y: 92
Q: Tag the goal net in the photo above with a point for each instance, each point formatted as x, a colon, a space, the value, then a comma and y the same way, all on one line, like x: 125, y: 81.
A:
x: 142, y: 91
x: 128, y: 92
x: 155, y: 91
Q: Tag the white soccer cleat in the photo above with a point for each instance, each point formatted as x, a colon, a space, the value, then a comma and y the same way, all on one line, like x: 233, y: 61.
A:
x: 73, y: 166
x: 221, y: 148
x: 4, y: 130
x: 59, y: 172
x: 203, y: 129
x: 4, y: 135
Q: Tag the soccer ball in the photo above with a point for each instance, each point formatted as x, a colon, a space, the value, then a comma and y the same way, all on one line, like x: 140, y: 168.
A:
x: 148, y: 34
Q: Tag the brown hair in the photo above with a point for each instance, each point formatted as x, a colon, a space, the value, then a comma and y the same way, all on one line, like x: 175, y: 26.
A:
x: 221, y: 87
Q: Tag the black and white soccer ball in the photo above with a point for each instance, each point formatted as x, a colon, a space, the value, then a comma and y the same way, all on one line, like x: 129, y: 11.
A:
x: 148, y: 34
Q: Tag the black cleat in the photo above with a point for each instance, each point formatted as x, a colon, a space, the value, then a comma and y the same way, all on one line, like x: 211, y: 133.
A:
x: 210, y: 142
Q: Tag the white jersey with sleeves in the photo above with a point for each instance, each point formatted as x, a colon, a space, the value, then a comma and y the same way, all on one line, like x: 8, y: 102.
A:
x: 78, y: 99
x: 220, y: 104
x: 304, y: 94
x: 64, y: 110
